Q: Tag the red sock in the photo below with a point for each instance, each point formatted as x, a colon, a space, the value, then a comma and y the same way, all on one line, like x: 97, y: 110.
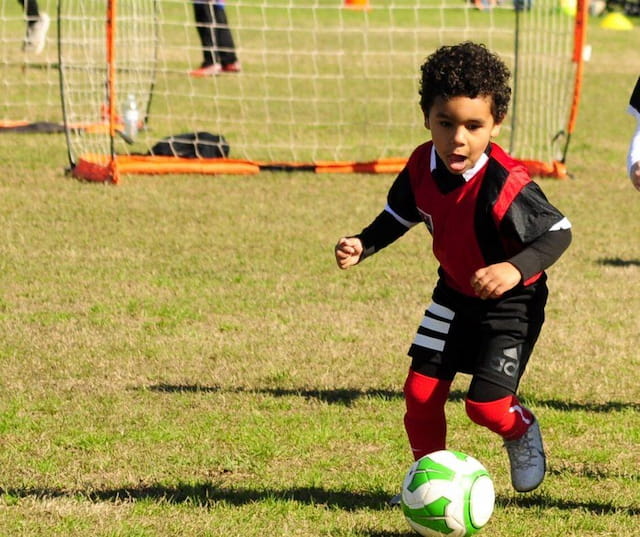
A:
x: 424, y: 420
x: 505, y: 416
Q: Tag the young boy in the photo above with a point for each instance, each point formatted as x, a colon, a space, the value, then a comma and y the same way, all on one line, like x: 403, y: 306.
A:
x: 493, y: 233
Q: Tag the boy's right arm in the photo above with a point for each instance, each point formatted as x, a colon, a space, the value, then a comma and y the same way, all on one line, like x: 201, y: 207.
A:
x: 399, y: 215
x: 348, y: 251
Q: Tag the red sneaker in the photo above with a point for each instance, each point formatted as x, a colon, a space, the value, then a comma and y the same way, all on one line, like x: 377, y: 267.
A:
x: 234, y: 67
x: 211, y: 69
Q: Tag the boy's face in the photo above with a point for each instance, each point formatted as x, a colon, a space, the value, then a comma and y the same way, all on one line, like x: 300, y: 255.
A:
x: 461, y: 128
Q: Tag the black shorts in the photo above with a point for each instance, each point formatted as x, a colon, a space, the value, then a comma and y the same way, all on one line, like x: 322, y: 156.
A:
x: 489, y: 339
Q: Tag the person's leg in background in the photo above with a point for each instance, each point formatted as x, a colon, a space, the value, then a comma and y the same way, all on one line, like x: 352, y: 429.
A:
x: 218, y: 47
x: 224, y: 39
x: 37, y: 27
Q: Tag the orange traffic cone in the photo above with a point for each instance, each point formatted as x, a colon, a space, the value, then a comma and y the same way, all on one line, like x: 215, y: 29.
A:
x: 357, y: 4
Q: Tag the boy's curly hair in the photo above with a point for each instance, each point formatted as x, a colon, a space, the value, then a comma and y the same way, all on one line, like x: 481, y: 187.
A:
x: 466, y: 70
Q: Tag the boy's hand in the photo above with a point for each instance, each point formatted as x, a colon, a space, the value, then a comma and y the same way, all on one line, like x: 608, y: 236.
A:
x: 348, y: 251
x: 495, y: 280
x: 634, y: 175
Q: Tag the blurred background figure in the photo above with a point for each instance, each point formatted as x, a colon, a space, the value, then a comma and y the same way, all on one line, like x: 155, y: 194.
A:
x: 633, y: 156
x: 218, y: 48
x: 37, y: 27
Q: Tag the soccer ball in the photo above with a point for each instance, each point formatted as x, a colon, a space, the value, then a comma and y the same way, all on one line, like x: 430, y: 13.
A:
x: 447, y: 494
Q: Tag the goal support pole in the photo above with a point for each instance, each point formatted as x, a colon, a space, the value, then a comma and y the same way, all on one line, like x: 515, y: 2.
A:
x: 579, y: 46
x: 111, y: 83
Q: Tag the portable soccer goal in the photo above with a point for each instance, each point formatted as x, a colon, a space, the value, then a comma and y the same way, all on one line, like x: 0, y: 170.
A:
x: 325, y: 85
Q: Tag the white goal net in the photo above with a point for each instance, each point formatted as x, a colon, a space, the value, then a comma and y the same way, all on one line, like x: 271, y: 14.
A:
x: 320, y: 80
x: 29, y: 82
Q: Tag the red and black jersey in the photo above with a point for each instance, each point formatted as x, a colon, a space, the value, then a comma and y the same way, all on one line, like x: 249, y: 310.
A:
x: 487, y: 215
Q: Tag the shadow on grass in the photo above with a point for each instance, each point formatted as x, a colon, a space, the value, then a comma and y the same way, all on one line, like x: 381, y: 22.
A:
x: 337, y: 396
x: 618, y: 262
x: 348, y: 396
x: 547, y: 502
x: 571, y: 406
x: 207, y: 495
x: 593, y: 471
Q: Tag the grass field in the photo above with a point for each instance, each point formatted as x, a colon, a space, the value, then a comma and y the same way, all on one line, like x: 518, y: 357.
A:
x: 181, y: 357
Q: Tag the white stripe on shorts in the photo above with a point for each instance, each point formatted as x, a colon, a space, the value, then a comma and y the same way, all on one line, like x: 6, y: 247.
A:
x: 429, y: 322
x: 441, y: 311
x: 434, y: 324
x: 429, y: 342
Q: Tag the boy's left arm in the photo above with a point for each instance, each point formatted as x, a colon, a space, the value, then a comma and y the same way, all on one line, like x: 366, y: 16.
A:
x: 542, y: 230
x: 495, y: 280
x: 542, y: 253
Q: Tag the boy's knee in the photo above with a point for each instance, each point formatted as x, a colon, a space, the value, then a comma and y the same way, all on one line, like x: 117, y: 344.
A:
x: 506, y: 416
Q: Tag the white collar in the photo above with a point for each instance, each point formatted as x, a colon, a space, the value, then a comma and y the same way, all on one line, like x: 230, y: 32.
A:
x: 469, y: 173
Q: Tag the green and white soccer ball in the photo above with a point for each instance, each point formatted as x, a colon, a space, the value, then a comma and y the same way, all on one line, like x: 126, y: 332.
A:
x: 447, y: 494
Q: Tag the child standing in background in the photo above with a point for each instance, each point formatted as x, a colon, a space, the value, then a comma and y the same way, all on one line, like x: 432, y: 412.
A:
x: 37, y: 27
x: 633, y: 156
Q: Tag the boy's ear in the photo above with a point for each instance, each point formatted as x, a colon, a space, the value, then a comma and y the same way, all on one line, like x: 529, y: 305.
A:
x: 426, y: 121
x: 496, y: 129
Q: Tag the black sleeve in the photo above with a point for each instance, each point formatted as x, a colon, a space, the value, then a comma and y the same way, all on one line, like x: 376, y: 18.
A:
x: 380, y: 233
x: 399, y: 215
x: 401, y: 200
x: 541, y: 253
x: 530, y: 215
